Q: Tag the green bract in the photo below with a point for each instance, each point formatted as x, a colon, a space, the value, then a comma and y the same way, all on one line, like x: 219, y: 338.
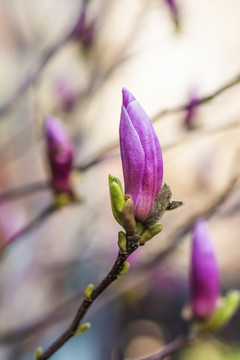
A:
x: 117, y: 197
x: 223, y: 314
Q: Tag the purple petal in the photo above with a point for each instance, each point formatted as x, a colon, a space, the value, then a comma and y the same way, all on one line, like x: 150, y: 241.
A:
x: 133, y: 157
x: 127, y: 97
x: 153, y: 166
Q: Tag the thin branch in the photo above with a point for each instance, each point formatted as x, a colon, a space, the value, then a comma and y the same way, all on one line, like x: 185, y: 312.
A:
x: 87, y: 302
x: 172, y: 347
x: 187, y: 227
x: 35, y: 72
x: 95, y: 84
x: 27, y: 228
x: 200, y: 101
x: 33, y: 75
x: 103, y: 155
x: 16, y: 193
x: 136, y: 277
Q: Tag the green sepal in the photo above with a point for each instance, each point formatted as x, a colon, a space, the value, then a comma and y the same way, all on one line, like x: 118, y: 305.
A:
x: 128, y: 219
x: 82, y: 328
x: 88, y: 291
x: 117, y: 197
x: 224, y: 313
x: 38, y: 353
x: 140, y: 228
x: 122, y: 242
x: 150, y: 233
x: 62, y: 199
x: 125, y: 268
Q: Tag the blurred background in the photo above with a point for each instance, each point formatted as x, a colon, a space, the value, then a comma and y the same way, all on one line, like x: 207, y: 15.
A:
x: 71, y: 59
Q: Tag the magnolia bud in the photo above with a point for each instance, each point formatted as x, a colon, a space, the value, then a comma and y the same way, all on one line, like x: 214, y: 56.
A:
x: 141, y: 156
x: 204, y: 274
x: 60, y: 153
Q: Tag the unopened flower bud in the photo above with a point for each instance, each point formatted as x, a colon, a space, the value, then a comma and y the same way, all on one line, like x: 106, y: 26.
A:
x: 66, y: 93
x: 84, y: 31
x: 190, y: 116
x: 204, y: 273
x: 173, y: 7
x: 60, y: 154
x: 141, y: 156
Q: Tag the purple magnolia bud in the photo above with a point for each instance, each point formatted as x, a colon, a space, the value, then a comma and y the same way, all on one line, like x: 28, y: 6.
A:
x: 173, y: 7
x: 191, y: 111
x: 60, y: 153
x: 141, y: 156
x: 84, y: 31
x: 204, y: 273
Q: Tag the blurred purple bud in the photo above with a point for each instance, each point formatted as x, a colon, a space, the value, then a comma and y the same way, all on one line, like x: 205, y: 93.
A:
x: 66, y: 93
x: 141, y: 156
x: 204, y: 273
x: 191, y: 111
x: 60, y: 153
x: 84, y: 31
x: 173, y: 7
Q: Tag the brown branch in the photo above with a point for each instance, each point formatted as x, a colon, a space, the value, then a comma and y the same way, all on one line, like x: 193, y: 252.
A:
x: 86, y: 303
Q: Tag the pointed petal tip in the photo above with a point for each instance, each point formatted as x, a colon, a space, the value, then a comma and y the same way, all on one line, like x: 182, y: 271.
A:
x: 202, y: 240
x: 127, y: 97
x: 52, y: 124
x: 199, y: 225
x: 55, y: 130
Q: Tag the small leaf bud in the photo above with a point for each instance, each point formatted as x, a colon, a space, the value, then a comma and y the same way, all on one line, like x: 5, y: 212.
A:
x: 150, y: 233
x: 88, y: 291
x: 122, y: 242
x: 38, y: 353
x: 117, y: 197
x: 125, y: 268
x: 82, y: 328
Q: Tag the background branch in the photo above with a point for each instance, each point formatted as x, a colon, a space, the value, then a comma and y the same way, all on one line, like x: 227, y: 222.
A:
x: 200, y: 101
x: 34, y: 73
x: 172, y: 347
x: 24, y: 190
x: 29, y: 227
x: 103, y: 154
x: 137, y: 276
